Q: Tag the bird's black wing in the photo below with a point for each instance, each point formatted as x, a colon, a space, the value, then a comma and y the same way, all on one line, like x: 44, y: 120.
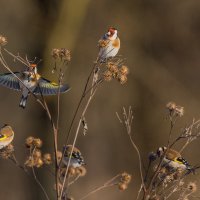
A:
x: 47, y: 87
x: 10, y: 81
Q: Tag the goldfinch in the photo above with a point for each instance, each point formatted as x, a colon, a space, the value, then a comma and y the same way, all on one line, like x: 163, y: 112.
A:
x: 76, y: 159
x: 6, y: 136
x: 31, y: 81
x: 109, y: 45
x: 173, y: 159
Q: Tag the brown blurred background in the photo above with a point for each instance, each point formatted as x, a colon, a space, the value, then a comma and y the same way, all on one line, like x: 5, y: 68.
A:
x: 161, y: 41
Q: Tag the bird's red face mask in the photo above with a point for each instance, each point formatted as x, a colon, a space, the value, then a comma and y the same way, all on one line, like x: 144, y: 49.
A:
x: 33, y: 65
x: 111, y: 32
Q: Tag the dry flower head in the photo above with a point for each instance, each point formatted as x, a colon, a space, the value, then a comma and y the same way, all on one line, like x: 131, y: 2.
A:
x: 7, y: 151
x: 37, y: 154
x: 72, y: 171
x: 192, y: 187
x: 3, y: 40
x: 65, y: 54
x: 112, y: 67
x: 107, y: 75
x: 175, y: 110
x: 37, y: 142
x: 39, y: 162
x: 81, y: 171
x: 34, y: 162
x: 122, y: 79
x: 124, y: 70
x: 29, y: 162
x: 55, y: 53
x: 29, y: 141
x: 62, y: 53
x: 122, y: 186
x: 47, y: 158
x: 179, y: 110
x: 171, y: 106
x: 75, y: 171
x: 125, y: 179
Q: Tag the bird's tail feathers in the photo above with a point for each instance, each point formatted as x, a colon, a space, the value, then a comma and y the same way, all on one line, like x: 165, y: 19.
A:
x: 23, y: 100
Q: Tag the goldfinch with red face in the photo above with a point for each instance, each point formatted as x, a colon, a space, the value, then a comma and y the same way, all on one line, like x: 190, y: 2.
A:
x: 173, y: 159
x: 6, y: 136
x: 109, y: 45
x: 31, y: 81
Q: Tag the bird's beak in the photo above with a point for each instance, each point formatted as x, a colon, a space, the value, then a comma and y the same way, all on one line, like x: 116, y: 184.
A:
x: 109, y: 33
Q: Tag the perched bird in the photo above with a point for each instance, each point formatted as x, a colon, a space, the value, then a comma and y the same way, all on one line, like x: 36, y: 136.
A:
x: 31, y: 81
x: 173, y: 159
x: 6, y: 136
x: 109, y: 45
x: 76, y: 159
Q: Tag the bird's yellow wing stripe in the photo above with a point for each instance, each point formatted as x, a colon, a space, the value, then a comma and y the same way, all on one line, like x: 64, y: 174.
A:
x: 54, y: 84
x: 3, y: 137
x: 178, y: 161
x: 47, y: 87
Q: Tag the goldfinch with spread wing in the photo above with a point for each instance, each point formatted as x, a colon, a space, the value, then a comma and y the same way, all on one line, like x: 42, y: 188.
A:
x: 173, y: 159
x: 76, y: 159
x: 109, y: 45
x: 6, y: 136
x: 31, y: 81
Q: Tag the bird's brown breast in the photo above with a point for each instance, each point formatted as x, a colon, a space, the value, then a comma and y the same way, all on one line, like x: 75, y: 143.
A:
x: 116, y: 43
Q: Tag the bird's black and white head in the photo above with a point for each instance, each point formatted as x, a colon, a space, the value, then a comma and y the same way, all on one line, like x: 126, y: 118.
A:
x: 161, y: 151
x: 112, y: 33
x: 78, y: 157
x: 76, y: 160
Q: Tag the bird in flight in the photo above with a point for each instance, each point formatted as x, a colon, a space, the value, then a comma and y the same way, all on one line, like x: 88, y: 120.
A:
x: 29, y: 81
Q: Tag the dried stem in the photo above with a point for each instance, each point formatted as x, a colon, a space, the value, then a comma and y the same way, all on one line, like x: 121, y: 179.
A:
x: 108, y: 183
x: 149, y: 188
x: 92, y: 93
x: 128, y: 119
x: 44, y: 105
x: 17, y: 164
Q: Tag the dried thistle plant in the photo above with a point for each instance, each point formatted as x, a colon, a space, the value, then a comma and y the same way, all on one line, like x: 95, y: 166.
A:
x: 67, y: 166
x: 167, y: 171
